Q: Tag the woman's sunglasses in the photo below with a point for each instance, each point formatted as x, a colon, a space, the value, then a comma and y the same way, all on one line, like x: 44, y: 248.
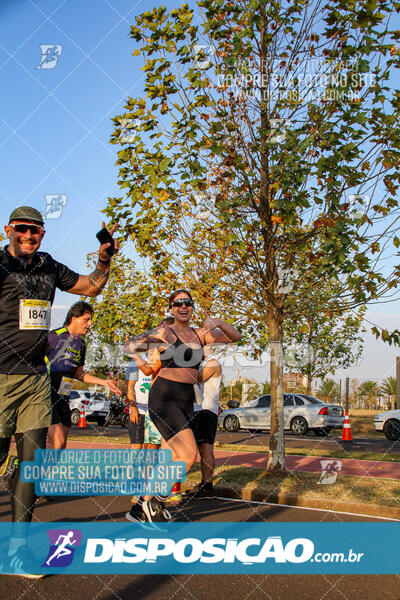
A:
x: 24, y: 227
x: 183, y: 302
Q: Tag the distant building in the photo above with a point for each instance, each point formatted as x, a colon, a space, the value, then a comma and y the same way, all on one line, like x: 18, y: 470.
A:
x: 294, y: 382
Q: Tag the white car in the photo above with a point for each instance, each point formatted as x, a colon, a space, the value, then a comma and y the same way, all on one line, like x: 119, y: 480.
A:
x: 96, y: 406
x: 301, y: 414
x: 389, y: 423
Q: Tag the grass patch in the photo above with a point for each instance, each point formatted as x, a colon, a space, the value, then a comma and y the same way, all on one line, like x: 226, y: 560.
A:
x: 365, y: 412
x: 383, y: 492
x: 120, y: 439
x: 363, y: 426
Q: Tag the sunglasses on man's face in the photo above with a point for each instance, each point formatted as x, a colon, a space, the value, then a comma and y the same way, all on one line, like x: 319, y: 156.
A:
x: 183, y: 302
x: 24, y: 227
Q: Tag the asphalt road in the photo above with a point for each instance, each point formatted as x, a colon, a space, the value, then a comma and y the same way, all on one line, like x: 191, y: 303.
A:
x: 193, y: 587
x: 203, y: 587
x: 106, y: 508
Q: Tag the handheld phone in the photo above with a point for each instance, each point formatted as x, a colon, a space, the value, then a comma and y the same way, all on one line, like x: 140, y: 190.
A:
x: 105, y: 237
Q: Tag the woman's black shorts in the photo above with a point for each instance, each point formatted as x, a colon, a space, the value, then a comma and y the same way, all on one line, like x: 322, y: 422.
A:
x: 171, y: 406
x: 136, y: 430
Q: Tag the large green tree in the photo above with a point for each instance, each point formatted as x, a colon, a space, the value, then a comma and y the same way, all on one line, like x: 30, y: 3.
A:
x: 129, y: 304
x: 321, y: 337
x: 264, y: 149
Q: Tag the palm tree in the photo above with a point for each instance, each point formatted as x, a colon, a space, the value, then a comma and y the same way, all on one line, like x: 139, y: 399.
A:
x: 267, y: 388
x: 368, y: 392
x: 329, y: 391
x: 388, y: 388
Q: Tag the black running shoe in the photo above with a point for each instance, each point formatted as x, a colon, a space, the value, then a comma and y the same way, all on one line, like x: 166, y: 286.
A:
x: 20, y: 563
x: 154, y: 511
x: 136, y: 514
x: 10, y: 471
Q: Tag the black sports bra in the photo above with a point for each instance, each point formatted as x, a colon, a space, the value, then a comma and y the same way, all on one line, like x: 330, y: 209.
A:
x: 181, y: 356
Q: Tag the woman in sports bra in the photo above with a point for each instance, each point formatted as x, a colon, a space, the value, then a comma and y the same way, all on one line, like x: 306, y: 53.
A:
x: 171, y: 397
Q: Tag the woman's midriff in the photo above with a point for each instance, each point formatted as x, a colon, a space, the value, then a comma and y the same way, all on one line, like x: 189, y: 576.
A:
x: 182, y: 375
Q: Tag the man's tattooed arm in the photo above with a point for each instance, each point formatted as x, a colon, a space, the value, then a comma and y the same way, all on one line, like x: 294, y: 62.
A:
x: 99, y: 277
x: 93, y: 284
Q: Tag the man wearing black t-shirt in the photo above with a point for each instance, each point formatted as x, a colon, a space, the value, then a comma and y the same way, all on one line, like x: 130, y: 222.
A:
x: 66, y: 358
x: 28, y: 281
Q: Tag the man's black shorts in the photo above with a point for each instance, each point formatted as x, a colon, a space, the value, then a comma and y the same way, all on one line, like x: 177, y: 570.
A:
x: 60, y: 411
x: 136, y: 430
x: 204, y: 426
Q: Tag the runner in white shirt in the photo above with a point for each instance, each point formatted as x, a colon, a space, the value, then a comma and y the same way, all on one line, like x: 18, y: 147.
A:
x: 138, y: 398
x: 205, y: 421
x: 148, y: 434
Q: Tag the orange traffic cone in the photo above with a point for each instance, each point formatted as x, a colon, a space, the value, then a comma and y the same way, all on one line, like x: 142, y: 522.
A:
x: 82, y: 417
x: 346, y: 434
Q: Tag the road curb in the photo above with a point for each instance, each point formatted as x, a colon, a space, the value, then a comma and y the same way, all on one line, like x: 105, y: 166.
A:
x: 360, y: 508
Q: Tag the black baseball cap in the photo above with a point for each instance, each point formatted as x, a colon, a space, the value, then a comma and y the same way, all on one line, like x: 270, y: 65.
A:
x: 26, y: 213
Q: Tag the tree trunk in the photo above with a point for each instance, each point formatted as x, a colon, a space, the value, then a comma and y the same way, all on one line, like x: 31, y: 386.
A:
x: 276, y: 458
x: 309, y: 382
x: 309, y: 357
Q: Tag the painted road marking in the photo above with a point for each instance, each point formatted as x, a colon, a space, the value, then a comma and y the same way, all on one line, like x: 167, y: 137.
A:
x: 336, y: 512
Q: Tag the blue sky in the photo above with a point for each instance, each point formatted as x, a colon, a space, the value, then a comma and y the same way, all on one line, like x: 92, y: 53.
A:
x: 55, y: 124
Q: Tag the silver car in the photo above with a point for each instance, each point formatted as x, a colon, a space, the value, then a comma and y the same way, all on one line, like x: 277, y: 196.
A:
x: 301, y: 414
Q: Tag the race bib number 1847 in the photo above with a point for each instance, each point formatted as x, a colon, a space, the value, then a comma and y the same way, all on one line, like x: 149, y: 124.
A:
x: 34, y: 314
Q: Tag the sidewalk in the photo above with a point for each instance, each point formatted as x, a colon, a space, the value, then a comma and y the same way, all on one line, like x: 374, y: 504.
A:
x: 355, y: 467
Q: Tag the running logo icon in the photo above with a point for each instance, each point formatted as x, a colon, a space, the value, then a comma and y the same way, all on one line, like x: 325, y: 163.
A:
x: 62, y: 547
x: 329, y: 471
x: 54, y: 205
x: 50, y: 55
